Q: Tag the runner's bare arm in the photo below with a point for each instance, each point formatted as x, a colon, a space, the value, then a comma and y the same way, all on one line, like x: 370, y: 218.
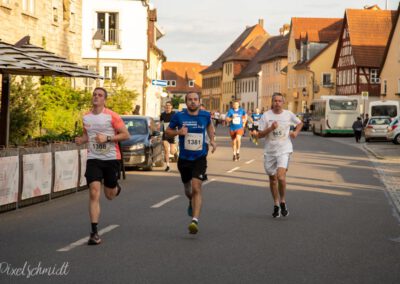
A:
x: 297, y: 130
x: 266, y: 131
x: 82, y: 139
x: 211, y: 135
x: 122, y: 134
x: 173, y: 132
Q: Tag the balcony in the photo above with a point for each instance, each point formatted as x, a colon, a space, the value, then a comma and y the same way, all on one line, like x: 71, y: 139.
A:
x: 111, y: 37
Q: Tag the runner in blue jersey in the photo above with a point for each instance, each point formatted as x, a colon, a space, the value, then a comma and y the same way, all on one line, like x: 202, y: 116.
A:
x: 254, y: 122
x: 236, y: 116
x: 192, y: 125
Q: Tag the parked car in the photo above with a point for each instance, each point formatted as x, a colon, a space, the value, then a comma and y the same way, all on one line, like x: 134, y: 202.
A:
x: 144, y: 147
x: 393, y: 133
x: 376, y: 127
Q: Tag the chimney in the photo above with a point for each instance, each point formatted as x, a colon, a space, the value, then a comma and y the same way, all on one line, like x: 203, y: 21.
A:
x: 261, y: 22
x: 284, y: 30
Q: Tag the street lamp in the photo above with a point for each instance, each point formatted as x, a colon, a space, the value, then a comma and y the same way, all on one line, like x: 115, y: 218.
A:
x: 97, y: 44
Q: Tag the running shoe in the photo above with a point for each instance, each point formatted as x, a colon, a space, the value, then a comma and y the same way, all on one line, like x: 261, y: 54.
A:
x: 237, y: 157
x: 190, y: 209
x: 234, y: 157
x: 118, y: 189
x: 284, y: 210
x: 193, y: 227
x: 94, y: 239
x: 167, y: 169
x: 276, y: 213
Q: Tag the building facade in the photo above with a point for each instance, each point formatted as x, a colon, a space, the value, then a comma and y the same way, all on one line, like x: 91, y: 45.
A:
x: 54, y: 25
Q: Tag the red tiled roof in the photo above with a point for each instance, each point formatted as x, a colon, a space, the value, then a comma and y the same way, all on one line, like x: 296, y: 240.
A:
x: 316, y: 29
x: 244, y: 38
x: 369, y: 33
x: 182, y: 72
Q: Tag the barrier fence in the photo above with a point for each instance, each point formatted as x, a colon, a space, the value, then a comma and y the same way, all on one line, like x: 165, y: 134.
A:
x: 30, y: 175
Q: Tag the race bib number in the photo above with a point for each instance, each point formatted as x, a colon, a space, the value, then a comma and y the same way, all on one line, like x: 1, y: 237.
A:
x: 279, y: 133
x: 236, y: 120
x: 194, y: 141
x: 99, y: 148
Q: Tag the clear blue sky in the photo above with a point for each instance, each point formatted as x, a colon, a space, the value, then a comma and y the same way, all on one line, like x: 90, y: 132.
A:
x: 200, y: 30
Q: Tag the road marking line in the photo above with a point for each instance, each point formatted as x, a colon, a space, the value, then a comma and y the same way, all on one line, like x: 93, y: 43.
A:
x: 234, y: 169
x: 158, y: 205
x: 85, y: 239
x: 249, y: 162
x: 209, y: 181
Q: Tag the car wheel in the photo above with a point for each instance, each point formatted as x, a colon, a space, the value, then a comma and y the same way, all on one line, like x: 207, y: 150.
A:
x: 396, y: 139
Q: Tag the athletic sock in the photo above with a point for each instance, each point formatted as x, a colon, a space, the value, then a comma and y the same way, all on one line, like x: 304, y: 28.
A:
x: 195, y: 220
x: 94, y: 227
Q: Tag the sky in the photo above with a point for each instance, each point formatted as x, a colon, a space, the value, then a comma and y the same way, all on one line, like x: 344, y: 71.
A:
x: 200, y: 30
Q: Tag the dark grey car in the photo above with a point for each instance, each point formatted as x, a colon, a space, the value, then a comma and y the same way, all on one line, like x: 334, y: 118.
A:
x: 144, y: 147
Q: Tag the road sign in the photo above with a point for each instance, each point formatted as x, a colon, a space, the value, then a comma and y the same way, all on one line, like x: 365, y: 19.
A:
x: 364, y: 95
x: 162, y: 83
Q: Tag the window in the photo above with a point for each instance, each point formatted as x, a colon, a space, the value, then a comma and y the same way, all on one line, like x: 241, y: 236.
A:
x: 191, y: 83
x: 172, y: 83
x: 28, y: 6
x: 326, y: 79
x: 374, y: 76
x: 384, y: 87
x: 110, y: 73
x: 107, y: 24
x: 55, y: 14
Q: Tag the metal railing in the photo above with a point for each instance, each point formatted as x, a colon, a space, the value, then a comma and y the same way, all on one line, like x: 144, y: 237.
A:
x: 111, y: 36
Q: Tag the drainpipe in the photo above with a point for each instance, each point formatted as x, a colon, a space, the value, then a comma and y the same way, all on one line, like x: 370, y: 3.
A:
x: 313, y: 82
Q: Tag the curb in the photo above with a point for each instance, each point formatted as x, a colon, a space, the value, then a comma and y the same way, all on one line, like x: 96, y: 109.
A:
x: 379, y: 157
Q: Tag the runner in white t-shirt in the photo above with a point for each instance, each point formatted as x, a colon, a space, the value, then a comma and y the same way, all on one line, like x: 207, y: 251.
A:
x: 102, y: 130
x: 275, y: 127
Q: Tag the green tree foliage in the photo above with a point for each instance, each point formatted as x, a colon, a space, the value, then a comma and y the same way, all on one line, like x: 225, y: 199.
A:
x: 23, y: 119
x: 60, y: 107
x: 176, y: 101
x: 120, y: 99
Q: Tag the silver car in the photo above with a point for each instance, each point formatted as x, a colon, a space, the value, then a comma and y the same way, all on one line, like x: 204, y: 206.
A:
x: 376, y: 127
x: 393, y: 133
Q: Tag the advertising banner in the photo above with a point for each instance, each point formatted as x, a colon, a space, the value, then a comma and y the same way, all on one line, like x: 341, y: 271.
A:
x: 66, y: 170
x: 9, y: 175
x: 83, y: 167
x: 36, y: 169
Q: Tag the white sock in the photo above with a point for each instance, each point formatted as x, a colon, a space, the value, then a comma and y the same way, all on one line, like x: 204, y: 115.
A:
x: 195, y: 219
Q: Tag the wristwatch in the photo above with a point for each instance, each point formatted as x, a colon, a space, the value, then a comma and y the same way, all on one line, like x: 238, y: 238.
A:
x: 108, y: 138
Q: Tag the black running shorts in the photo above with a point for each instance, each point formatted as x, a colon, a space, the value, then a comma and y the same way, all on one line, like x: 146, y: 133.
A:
x: 193, y: 169
x: 98, y: 170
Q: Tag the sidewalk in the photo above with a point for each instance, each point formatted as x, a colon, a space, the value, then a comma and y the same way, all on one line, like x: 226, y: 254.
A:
x: 383, y: 150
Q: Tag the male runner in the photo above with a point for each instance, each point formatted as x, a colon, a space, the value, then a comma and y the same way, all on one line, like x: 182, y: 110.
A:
x: 193, y: 124
x: 236, y: 116
x: 168, y: 142
x: 275, y: 126
x: 254, y: 120
x: 102, y: 130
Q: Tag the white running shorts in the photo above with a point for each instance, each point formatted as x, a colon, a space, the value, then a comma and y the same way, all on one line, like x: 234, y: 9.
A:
x: 272, y: 163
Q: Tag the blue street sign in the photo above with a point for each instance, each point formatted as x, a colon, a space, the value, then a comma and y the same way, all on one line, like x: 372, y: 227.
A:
x: 162, y: 83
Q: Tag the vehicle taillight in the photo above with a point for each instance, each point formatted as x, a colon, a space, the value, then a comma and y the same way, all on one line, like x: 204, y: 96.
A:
x: 370, y: 126
x: 394, y: 127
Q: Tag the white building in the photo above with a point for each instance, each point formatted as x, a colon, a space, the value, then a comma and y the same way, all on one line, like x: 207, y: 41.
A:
x: 130, y: 32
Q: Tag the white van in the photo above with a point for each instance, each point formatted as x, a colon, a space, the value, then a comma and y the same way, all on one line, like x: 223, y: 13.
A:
x: 384, y: 108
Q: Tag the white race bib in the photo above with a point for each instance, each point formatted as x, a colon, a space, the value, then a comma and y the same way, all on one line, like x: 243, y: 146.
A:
x: 236, y: 120
x: 194, y: 141
x: 99, y: 148
x: 279, y: 133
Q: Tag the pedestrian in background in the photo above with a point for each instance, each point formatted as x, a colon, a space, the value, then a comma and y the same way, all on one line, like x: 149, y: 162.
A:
x: 102, y: 130
x: 357, y: 128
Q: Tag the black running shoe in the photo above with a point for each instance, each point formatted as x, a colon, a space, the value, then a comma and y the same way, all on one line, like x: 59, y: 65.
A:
x: 284, y: 210
x: 237, y: 157
x: 94, y: 239
x: 234, y: 157
x: 276, y: 213
x: 167, y: 169
x: 118, y: 189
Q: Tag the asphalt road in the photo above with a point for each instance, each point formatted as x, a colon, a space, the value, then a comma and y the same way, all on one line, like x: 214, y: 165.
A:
x: 341, y: 227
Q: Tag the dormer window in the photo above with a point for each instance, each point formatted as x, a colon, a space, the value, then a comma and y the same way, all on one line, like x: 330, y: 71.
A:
x: 191, y: 83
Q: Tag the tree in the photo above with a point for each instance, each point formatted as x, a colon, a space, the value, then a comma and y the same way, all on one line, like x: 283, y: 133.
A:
x: 176, y: 100
x: 23, y: 118
x: 119, y: 98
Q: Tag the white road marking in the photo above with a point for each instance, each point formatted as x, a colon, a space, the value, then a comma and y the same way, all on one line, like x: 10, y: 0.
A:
x: 158, y: 205
x: 234, y: 169
x: 249, y: 162
x: 209, y: 181
x: 85, y: 239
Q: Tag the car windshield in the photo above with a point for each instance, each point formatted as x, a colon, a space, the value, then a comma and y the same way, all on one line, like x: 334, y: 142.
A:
x: 336, y: 104
x: 379, y: 121
x: 136, y: 126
